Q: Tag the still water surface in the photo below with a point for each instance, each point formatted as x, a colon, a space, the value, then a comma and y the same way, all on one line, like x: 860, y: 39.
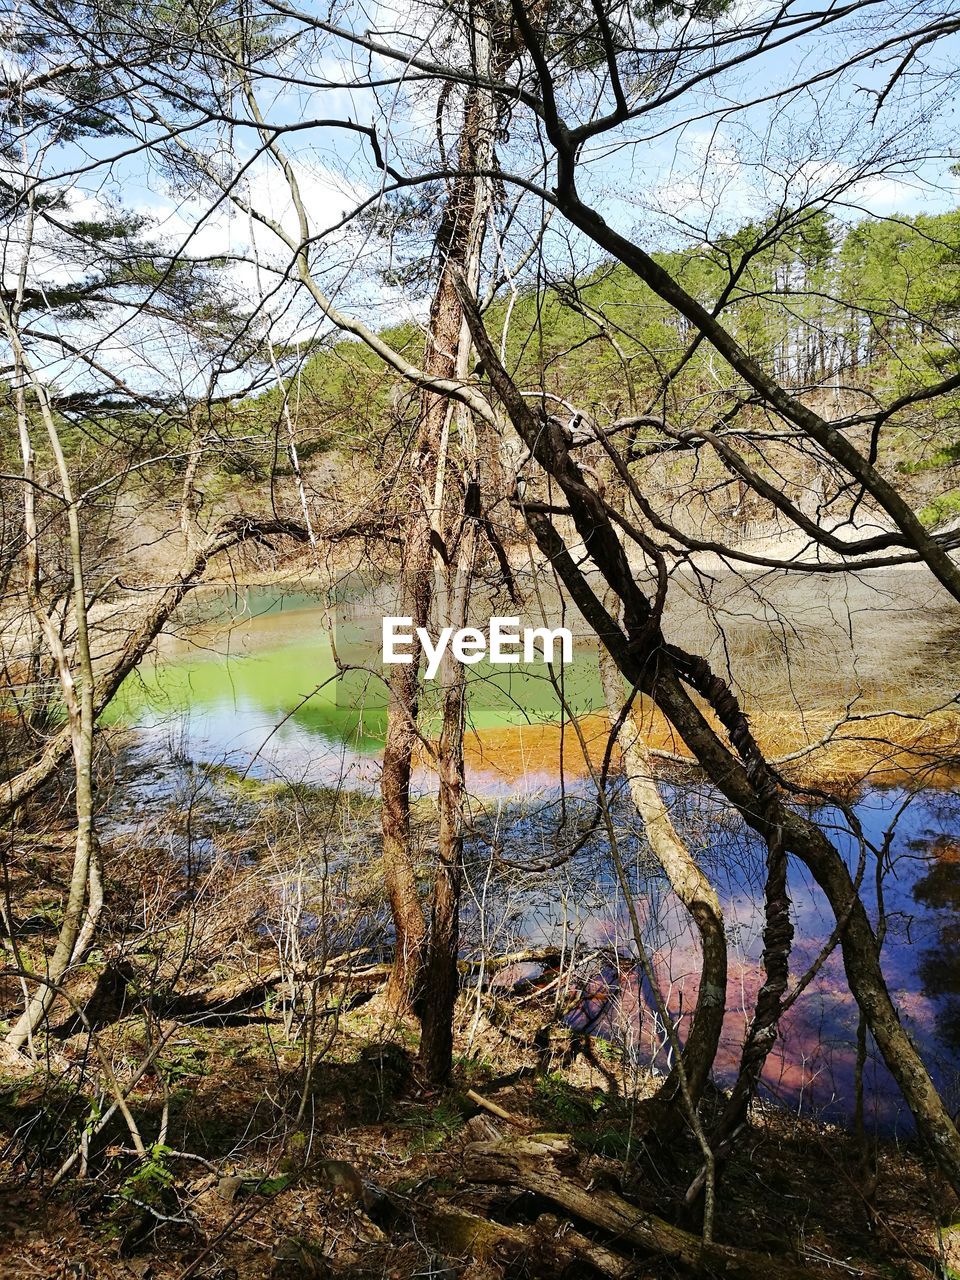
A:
x: 250, y: 680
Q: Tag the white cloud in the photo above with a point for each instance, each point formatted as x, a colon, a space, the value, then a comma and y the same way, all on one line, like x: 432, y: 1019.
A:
x: 707, y: 179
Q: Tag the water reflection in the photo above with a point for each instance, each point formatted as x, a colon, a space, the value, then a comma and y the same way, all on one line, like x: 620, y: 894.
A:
x: 812, y: 1065
x: 938, y: 891
x: 253, y: 674
x: 261, y: 694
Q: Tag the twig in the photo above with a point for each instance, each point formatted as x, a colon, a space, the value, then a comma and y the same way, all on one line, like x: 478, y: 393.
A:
x: 493, y: 1108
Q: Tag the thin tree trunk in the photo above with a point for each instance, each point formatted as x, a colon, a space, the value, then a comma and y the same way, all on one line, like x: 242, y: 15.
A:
x: 399, y: 865
x: 85, y: 895
x: 806, y: 841
x: 441, y: 977
x: 229, y: 533
x: 688, y: 882
x: 764, y: 1025
x: 457, y: 511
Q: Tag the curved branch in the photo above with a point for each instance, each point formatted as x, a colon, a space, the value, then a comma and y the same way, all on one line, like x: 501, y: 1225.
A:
x: 229, y: 533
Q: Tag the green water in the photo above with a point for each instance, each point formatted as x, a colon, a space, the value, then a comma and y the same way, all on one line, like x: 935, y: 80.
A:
x: 252, y: 681
x: 254, y: 673
x: 241, y: 666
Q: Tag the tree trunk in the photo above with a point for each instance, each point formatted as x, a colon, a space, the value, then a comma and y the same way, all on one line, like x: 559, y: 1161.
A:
x: 689, y: 884
x: 549, y: 1247
x: 861, y: 956
x: 441, y: 976
x: 532, y: 1164
x: 739, y: 770
x: 437, y: 523
x: 85, y: 895
x: 399, y: 865
x: 764, y: 1025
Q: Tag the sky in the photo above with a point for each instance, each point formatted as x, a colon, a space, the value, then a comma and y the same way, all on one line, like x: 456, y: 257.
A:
x: 707, y: 162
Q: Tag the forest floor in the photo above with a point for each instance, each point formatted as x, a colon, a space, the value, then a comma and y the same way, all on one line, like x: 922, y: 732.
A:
x: 239, y: 1189
x: 242, y: 1098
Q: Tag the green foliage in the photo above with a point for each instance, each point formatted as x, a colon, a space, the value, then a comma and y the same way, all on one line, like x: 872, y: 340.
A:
x: 434, y: 1125
x: 948, y: 456
x: 151, y: 1182
x: 596, y: 1122
x: 182, y: 1062
x: 941, y: 509
x: 269, y: 1186
x: 613, y: 1139
x: 876, y: 306
x: 564, y: 1106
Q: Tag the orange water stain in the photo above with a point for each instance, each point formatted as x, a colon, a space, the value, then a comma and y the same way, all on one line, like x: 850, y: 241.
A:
x: 516, y: 751
x: 888, y: 750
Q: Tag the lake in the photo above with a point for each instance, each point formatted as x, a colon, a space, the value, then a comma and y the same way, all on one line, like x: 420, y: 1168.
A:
x: 249, y: 679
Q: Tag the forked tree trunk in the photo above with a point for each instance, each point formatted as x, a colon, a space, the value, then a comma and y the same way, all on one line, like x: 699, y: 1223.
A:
x: 861, y: 955
x: 457, y: 507
x: 438, y: 534
x: 736, y: 767
x: 765, y: 1023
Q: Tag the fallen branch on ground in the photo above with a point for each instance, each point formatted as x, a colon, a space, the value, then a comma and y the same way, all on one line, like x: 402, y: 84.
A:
x: 237, y: 994
x: 532, y: 1165
x: 493, y: 1108
x: 548, y: 1247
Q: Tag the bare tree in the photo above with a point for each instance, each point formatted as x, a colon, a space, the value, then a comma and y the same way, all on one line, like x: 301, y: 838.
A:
x: 64, y: 563
x: 579, y: 87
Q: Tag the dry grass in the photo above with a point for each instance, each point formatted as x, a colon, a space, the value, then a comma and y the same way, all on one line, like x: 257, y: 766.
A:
x: 792, y: 1187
